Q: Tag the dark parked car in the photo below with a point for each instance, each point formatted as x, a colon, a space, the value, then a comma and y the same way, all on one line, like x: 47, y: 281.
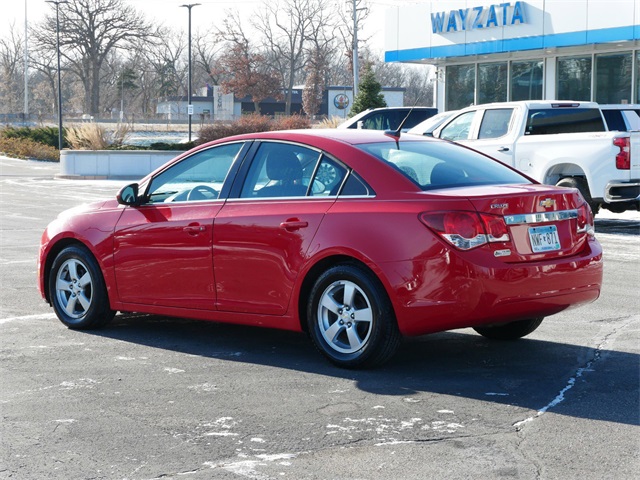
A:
x: 389, y: 118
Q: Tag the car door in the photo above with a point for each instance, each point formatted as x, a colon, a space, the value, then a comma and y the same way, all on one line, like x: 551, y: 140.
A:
x: 262, y: 237
x: 163, y: 247
x: 494, y: 136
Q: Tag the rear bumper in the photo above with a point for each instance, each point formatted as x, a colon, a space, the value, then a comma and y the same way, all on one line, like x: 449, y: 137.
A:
x: 622, y: 191
x: 449, y: 292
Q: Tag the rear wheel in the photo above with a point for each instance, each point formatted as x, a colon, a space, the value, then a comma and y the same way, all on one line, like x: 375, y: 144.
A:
x: 351, y: 319
x: 510, y: 331
x: 77, y: 290
x: 581, y: 185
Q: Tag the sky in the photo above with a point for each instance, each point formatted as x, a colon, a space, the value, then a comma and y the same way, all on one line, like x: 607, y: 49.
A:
x: 208, y: 13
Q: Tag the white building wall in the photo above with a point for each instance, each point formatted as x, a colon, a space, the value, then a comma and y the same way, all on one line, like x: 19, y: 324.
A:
x: 518, y: 30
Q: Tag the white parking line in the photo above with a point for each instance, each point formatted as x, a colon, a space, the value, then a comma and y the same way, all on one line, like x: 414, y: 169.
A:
x: 41, y: 316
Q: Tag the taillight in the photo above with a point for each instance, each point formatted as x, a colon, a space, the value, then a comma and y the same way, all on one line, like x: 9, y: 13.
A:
x: 466, y: 230
x: 623, y: 158
x: 585, y: 220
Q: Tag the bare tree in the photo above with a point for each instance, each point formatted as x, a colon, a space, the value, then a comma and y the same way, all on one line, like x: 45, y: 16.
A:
x: 314, y: 85
x: 168, y: 64
x: 286, y: 27
x: 43, y: 62
x: 417, y: 80
x: 206, y: 52
x: 11, y: 71
x: 350, y: 30
x: 242, y: 70
x: 90, y: 30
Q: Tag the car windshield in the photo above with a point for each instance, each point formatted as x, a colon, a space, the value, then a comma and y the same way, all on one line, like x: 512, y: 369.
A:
x: 432, y: 165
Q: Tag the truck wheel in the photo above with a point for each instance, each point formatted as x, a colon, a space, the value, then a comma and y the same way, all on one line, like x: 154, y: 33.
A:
x: 581, y: 185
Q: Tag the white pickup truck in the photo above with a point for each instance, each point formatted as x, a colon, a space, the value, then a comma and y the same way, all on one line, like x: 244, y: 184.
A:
x: 557, y: 143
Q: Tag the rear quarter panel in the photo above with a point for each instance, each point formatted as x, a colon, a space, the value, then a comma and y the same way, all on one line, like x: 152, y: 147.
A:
x: 547, y: 158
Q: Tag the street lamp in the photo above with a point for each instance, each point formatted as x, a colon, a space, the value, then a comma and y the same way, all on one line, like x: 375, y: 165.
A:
x: 189, y: 105
x: 57, y: 4
x: 355, y: 51
x: 26, y: 64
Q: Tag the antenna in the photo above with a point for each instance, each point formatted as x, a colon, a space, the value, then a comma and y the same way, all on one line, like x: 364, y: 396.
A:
x: 395, y: 134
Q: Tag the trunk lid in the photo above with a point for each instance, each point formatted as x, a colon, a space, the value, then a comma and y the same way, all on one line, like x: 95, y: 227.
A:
x: 542, y: 222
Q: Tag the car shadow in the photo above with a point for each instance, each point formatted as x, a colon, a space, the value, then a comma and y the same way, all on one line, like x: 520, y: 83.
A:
x: 528, y: 373
x: 617, y: 226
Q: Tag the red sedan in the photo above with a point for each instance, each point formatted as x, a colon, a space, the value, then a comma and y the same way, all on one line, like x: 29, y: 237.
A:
x: 356, y: 237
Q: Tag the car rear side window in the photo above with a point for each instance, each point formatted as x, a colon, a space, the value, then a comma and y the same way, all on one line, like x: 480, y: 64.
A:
x: 495, y: 123
x: 548, y: 121
x: 432, y: 165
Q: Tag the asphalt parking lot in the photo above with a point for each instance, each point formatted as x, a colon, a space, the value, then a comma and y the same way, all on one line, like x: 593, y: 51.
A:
x: 152, y: 397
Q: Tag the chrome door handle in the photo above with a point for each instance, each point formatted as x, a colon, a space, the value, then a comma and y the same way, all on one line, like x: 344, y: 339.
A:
x: 292, y: 225
x: 194, y: 229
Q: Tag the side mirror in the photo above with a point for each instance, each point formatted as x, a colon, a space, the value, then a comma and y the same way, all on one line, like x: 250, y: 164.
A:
x: 128, y: 195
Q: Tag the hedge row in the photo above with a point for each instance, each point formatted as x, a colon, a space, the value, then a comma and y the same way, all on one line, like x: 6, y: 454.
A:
x: 44, y: 135
x: 27, y: 148
x: 41, y: 143
x: 251, y: 124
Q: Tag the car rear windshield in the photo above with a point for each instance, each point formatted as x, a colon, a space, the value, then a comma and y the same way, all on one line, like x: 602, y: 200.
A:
x: 548, y: 121
x: 436, y: 164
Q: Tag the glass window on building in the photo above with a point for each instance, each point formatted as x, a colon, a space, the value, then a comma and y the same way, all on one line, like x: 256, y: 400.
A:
x: 492, y: 82
x: 574, y: 78
x: 460, y: 86
x: 613, y: 78
x: 526, y: 80
x: 637, y: 100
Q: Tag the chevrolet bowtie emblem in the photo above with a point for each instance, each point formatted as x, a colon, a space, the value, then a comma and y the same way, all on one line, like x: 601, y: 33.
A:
x: 547, y: 202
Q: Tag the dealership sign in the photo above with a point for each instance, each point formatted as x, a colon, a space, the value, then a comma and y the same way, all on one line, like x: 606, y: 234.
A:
x: 464, y: 19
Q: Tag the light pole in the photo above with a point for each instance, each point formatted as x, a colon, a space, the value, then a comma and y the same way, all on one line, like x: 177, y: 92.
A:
x: 57, y: 4
x: 189, y: 105
x: 355, y: 51
x: 26, y: 64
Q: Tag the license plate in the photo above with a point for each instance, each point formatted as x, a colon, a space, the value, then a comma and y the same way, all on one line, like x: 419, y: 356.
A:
x: 544, y: 239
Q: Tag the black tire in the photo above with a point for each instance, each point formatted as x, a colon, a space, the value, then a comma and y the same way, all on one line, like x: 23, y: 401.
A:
x: 77, y: 290
x: 581, y: 185
x: 510, y: 331
x: 355, y: 332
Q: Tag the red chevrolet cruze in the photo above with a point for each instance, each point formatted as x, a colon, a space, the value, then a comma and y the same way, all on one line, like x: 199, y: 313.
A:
x: 357, y: 237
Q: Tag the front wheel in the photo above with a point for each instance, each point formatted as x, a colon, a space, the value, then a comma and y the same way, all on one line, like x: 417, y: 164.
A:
x: 510, y: 331
x: 77, y: 290
x: 351, y: 319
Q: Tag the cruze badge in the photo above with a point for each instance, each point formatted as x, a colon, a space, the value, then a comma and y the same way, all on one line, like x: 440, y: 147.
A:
x: 499, y: 205
x: 547, y: 202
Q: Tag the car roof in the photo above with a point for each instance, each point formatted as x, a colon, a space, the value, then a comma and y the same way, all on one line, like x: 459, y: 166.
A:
x: 312, y: 135
x: 535, y: 104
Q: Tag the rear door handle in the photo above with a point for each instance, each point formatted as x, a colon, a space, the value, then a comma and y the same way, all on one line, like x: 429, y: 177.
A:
x: 194, y: 229
x: 503, y: 149
x: 294, y: 224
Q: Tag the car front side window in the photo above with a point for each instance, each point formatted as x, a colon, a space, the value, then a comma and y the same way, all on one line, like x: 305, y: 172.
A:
x: 199, y: 177
x: 458, y: 128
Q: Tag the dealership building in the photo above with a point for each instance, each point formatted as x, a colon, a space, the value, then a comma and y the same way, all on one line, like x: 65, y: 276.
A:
x: 492, y: 51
